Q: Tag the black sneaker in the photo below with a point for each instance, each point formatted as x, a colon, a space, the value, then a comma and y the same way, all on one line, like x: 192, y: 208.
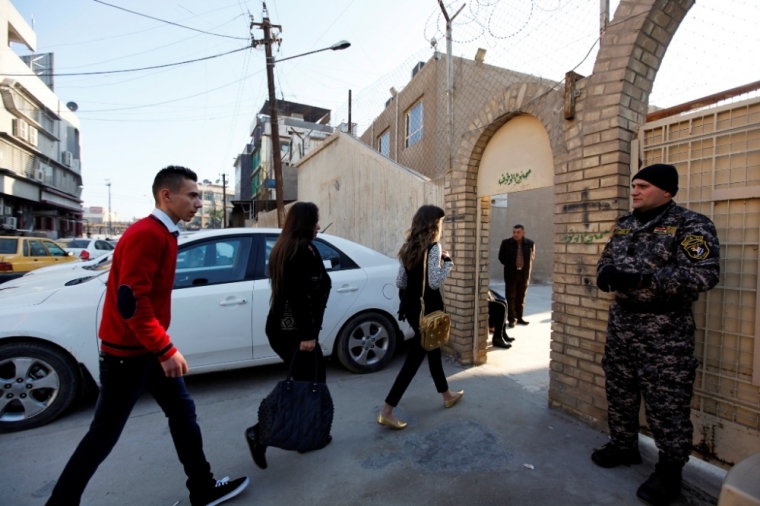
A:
x: 222, y: 491
x: 611, y: 456
x: 664, y: 486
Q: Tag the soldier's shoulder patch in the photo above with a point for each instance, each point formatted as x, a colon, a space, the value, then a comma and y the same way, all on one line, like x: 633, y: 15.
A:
x: 696, y: 247
x: 622, y: 231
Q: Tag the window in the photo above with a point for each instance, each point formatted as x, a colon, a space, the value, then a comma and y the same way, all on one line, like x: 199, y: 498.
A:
x: 333, y: 259
x: 54, y: 249
x: 37, y: 249
x: 103, y: 245
x: 384, y: 143
x: 78, y: 243
x: 414, y: 124
x: 213, y: 262
x: 8, y: 246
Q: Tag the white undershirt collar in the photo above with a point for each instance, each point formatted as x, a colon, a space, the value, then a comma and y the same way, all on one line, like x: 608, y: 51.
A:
x: 168, y: 223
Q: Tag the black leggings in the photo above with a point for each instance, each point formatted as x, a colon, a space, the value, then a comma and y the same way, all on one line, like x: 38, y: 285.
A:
x: 412, y: 363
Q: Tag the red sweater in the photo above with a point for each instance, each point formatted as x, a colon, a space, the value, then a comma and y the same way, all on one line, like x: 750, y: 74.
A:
x: 137, y: 310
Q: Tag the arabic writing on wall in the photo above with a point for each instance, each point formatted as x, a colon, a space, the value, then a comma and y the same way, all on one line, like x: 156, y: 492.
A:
x: 514, y: 177
x: 583, y: 237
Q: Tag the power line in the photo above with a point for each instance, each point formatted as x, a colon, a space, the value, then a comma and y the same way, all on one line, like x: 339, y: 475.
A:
x: 47, y: 47
x: 103, y: 72
x: 174, y: 100
x: 171, y: 22
x: 158, y: 48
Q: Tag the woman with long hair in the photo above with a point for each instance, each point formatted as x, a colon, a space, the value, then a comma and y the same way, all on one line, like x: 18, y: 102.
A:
x: 300, y: 288
x: 422, y: 238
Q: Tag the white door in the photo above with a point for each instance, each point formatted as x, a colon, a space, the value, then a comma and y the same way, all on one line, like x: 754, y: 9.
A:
x: 212, y: 302
x: 348, y: 281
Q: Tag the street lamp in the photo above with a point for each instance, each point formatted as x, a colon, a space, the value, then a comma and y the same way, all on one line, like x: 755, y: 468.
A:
x: 267, y: 41
x: 338, y: 46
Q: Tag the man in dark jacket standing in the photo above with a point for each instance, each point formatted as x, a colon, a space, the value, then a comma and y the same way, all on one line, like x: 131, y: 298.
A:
x: 517, y: 254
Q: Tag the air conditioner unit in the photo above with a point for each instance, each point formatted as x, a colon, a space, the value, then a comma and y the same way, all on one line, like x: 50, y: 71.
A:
x: 9, y: 222
x: 32, y: 136
x: 68, y: 158
x: 39, y: 174
x: 20, y: 128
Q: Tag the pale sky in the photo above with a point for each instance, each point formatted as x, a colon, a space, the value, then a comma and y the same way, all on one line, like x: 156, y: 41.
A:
x: 129, y: 131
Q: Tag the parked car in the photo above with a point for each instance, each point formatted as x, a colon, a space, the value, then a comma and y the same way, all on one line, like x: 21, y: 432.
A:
x: 19, y: 255
x: 65, y: 272
x: 89, y: 248
x: 48, y: 329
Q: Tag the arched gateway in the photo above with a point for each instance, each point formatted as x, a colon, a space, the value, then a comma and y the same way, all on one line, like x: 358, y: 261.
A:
x: 591, y: 172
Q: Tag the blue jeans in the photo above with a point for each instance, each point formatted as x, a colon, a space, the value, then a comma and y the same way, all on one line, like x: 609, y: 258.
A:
x: 122, y: 382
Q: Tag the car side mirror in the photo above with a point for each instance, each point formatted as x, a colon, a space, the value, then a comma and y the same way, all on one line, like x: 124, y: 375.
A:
x: 69, y: 253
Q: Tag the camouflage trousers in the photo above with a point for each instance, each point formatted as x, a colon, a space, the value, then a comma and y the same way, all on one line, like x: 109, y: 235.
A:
x: 650, y: 355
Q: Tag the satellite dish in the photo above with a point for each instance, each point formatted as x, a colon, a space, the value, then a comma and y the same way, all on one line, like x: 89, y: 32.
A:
x: 72, y: 106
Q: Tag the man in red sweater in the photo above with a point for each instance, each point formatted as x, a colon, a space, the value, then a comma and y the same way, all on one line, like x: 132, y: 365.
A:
x: 137, y: 354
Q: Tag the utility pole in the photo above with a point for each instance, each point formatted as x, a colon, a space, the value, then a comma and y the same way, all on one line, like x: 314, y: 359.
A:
x: 110, y: 222
x: 224, y: 200
x: 450, y: 79
x: 268, y: 40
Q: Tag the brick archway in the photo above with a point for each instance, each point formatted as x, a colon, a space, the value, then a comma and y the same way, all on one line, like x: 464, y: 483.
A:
x: 592, y: 173
x: 469, y: 217
x: 592, y: 191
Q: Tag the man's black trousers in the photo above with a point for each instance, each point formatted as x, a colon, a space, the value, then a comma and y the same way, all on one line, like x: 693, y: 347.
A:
x: 516, y: 289
x: 122, y: 382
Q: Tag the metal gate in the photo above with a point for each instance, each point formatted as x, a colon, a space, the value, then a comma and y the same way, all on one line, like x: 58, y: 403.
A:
x: 717, y: 153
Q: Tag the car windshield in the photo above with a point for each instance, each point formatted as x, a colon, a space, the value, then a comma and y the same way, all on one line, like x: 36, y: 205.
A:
x: 78, y: 243
x: 8, y: 246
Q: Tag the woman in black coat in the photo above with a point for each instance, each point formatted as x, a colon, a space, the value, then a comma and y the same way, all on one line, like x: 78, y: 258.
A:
x: 421, y: 238
x: 300, y: 288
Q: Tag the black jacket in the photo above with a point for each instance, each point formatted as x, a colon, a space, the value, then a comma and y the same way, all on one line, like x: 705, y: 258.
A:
x: 508, y: 257
x: 410, y: 296
x: 307, y: 288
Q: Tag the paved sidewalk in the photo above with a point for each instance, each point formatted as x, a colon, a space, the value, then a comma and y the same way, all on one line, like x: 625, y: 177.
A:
x: 476, y: 453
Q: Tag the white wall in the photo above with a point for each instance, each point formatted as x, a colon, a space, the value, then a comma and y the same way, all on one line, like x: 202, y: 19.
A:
x: 368, y: 198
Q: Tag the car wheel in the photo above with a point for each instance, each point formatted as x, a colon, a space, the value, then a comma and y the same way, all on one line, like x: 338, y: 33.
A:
x: 37, y: 383
x: 366, y: 343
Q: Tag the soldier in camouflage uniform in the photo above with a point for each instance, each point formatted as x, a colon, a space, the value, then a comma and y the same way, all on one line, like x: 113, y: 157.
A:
x: 659, y: 259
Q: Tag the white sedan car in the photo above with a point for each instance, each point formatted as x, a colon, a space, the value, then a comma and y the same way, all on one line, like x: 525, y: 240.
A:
x: 48, y: 330
x: 87, y: 249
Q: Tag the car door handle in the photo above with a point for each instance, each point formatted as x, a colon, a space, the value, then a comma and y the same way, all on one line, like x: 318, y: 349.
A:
x: 346, y: 288
x: 233, y: 302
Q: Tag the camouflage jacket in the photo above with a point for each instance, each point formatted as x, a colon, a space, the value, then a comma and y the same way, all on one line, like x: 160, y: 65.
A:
x: 678, y: 251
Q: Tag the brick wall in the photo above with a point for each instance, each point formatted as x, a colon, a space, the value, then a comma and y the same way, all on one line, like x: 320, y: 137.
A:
x: 591, y: 191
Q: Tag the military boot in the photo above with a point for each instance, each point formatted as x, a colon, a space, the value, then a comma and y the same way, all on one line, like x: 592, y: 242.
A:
x: 664, y: 486
x: 610, y: 456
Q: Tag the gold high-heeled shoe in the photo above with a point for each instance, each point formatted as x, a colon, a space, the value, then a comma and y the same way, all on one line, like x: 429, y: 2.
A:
x: 453, y: 401
x: 397, y: 425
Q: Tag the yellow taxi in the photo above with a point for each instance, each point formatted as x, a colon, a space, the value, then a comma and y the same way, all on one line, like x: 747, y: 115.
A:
x: 19, y: 255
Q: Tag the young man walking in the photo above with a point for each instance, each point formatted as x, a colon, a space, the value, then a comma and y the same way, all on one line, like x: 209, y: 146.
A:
x: 659, y: 259
x: 137, y: 354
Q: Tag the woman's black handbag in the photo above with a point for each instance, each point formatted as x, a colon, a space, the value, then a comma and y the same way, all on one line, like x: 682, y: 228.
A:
x: 297, y: 415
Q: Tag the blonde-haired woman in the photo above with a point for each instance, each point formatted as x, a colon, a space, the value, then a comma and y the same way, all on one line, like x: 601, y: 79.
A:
x: 422, y: 238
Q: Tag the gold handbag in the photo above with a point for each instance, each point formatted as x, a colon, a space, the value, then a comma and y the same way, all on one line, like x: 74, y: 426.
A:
x: 434, y: 327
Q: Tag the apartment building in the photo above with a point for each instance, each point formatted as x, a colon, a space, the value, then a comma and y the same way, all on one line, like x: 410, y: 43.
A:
x: 40, y: 155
